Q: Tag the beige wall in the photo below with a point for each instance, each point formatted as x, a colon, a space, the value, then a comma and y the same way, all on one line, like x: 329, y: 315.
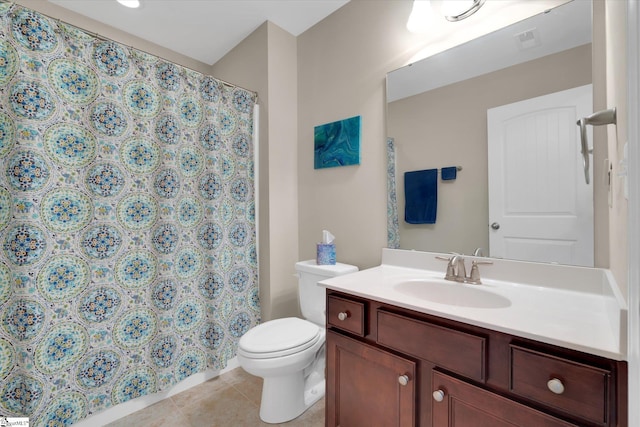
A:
x: 267, y: 62
x: 283, y: 183
x: 448, y: 126
x: 616, y: 70
x: 342, y: 64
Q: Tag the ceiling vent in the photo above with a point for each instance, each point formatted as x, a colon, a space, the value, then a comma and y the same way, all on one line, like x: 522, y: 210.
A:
x: 528, y: 39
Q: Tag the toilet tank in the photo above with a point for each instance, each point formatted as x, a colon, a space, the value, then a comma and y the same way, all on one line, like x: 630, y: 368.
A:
x: 311, y: 296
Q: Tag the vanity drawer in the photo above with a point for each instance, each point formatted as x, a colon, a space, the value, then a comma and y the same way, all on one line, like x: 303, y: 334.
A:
x: 582, y: 390
x: 346, y: 314
x: 450, y: 349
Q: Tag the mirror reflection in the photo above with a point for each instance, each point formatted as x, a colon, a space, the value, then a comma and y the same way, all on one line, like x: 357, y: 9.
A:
x: 503, y: 108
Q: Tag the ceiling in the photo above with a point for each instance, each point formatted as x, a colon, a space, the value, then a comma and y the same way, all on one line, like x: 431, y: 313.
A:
x: 204, y: 30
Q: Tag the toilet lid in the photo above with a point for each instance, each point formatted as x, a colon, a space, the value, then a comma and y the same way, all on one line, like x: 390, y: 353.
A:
x: 279, y: 337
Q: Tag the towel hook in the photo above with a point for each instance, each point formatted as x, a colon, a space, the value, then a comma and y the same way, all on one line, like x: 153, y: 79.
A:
x: 603, y: 117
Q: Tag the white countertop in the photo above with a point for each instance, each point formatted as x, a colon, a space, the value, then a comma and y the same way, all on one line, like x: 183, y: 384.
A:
x: 573, y: 307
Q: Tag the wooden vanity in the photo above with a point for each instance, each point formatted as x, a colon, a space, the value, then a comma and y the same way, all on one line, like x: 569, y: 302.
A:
x: 391, y: 366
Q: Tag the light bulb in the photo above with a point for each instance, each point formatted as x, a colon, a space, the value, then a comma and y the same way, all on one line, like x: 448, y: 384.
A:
x: 129, y: 3
x: 455, y: 7
x: 421, y: 16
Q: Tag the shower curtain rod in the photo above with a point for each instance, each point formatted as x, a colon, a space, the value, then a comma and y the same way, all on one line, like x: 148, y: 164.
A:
x: 105, y: 38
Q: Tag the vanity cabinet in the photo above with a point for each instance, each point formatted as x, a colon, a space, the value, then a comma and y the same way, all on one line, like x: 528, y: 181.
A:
x: 371, y: 387
x: 461, y: 404
x: 390, y: 366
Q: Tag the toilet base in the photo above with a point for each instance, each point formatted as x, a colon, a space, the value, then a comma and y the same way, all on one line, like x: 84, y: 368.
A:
x: 283, y: 398
x: 314, y: 394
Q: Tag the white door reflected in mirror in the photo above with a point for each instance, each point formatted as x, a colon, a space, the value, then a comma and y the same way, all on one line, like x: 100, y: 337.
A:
x: 537, y: 191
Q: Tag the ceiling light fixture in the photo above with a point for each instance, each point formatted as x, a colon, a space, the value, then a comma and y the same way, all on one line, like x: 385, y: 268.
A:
x: 457, y: 10
x: 420, y: 17
x: 422, y: 12
x: 130, y: 3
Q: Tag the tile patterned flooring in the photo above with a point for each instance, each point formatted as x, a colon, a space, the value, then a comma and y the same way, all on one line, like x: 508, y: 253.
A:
x: 231, y: 399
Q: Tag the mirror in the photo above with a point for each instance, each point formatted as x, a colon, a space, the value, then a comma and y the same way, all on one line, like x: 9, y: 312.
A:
x: 437, y: 117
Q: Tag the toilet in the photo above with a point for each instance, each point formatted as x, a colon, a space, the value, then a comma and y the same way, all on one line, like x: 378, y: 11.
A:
x: 289, y: 353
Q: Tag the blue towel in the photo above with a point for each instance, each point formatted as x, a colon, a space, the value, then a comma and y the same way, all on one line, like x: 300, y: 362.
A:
x: 421, y: 196
x: 449, y: 173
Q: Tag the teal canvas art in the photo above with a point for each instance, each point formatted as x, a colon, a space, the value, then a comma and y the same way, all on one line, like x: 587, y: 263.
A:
x: 337, y: 143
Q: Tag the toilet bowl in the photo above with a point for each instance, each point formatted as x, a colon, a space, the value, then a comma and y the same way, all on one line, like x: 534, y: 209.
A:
x: 285, y: 353
x: 289, y: 353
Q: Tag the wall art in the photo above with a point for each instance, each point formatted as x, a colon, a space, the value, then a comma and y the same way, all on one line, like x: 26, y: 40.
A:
x: 337, y: 143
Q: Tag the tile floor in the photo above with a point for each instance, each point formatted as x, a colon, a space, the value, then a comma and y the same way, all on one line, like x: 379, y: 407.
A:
x: 232, y: 399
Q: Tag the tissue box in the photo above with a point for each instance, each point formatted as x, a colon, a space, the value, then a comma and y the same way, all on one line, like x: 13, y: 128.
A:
x: 326, y: 254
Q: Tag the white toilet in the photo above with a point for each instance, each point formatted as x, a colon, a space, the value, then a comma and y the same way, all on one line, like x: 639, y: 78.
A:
x: 289, y: 353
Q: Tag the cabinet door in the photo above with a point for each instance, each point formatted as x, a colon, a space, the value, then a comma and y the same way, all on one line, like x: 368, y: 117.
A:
x: 460, y: 404
x: 367, y: 386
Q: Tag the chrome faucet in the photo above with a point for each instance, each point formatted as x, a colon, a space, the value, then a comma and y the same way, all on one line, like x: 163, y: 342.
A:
x: 478, y: 252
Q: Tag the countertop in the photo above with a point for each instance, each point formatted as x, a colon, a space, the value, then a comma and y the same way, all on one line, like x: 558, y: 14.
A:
x: 539, y: 302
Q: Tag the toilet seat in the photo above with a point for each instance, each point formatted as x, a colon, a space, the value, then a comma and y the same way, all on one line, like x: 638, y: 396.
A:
x: 279, y: 337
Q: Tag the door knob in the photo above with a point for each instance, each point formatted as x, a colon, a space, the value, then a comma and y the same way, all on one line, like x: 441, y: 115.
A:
x: 438, y: 395
x: 495, y: 226
x: 403, y: 379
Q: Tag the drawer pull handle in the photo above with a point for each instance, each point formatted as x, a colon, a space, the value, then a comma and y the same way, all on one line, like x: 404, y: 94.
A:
x: 403, y: 379
x: 438, y: 395
x: 556, y: 386
x: 343, y: 315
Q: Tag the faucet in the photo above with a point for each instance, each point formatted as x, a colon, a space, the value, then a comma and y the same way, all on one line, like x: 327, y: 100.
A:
x: 478, y: 252
x: 457, y: 272
x: 456, y: 263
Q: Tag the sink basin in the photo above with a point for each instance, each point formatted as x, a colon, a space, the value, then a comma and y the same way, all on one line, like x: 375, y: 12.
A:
x: 452, y: 293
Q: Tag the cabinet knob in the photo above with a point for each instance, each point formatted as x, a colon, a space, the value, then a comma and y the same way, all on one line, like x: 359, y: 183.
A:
x: 403, y: 379
x: 555, y: 385
x: 438, y: 395
x: 343, y: 315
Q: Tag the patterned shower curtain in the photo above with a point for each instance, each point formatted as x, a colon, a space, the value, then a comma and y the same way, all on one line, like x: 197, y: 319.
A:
x: 127, y: 229
x: 393, y: 232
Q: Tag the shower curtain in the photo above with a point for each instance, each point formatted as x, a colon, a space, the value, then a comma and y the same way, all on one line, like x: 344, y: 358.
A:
x: 127, y: 230
x: 393, y: 232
